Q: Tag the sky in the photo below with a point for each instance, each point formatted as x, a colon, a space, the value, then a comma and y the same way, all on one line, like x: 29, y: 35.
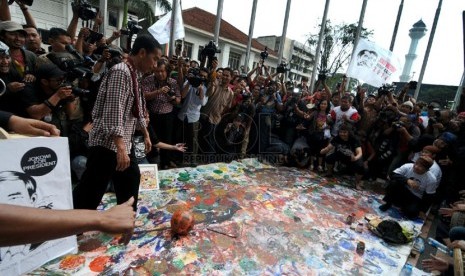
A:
x: 446, y: 60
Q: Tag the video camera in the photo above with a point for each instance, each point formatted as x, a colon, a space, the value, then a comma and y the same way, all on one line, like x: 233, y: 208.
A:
x: 194, y: 78
x: 264, y: 54
x: 323, y: 75
x: 386, y: 89
x: 25, y: 2
x: 78, y: 92
x: 113, y: 52
x: 132, y: 28
x: 208, y: 54
x: 282, y: 68
x: 85, y: 10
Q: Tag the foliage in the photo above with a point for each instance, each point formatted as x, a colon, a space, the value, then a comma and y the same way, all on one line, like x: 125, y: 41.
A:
x: 338, y: 42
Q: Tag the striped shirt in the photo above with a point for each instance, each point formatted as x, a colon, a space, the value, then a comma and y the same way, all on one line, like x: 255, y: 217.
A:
x: 219, y: 101
x: 112, y: 115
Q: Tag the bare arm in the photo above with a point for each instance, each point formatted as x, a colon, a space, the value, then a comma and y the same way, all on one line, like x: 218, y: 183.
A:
x: 5, y: 14
x: 27, y: 15
x: 21, y: 225
x: 72, y: 27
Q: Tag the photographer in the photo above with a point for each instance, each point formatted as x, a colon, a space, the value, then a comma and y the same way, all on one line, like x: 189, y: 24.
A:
x: 58, y: 40
x: 193, y: 96
x: 162, y: 94
x: 48, y: 99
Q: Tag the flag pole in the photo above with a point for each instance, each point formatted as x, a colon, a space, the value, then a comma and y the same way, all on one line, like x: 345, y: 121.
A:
x: 173, y: 27
x: 219, y: 12
x: 249, y: 41
x: 396, y: 26
x: 318, y: 47
x: 428, y: 49
x: 357, y: 35
x: 283, y: 35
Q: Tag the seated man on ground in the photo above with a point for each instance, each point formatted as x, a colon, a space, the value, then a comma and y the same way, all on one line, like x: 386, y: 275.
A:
x: 347, y: 151
x: 411, y: 187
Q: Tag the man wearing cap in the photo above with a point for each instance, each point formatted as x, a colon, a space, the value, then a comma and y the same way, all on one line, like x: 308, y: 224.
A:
x: 48, y: 99
x: 408, y: 187
x: 12, y: 84
x: 23, y: 61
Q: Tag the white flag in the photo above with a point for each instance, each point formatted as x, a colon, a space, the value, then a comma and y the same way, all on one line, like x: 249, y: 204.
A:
x: 161, y: 30
x: 373, y: 64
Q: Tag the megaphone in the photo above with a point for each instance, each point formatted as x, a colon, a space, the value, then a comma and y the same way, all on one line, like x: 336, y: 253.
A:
x: 2, y: 87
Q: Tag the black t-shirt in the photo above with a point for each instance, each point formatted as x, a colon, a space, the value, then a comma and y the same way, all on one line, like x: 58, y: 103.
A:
x: 346, y: 148
x: 10, y: 101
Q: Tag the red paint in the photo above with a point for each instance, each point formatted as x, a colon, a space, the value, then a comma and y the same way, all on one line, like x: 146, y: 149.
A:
x: 71, y: 262
x: 209, y: 201
x: 99, y: 263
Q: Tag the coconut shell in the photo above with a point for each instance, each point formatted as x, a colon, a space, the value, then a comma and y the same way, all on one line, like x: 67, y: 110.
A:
x: 182, y: 222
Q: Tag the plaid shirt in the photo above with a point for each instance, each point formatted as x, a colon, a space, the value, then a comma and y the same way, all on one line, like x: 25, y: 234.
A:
x: 112, y: 115
x: 162, y: 103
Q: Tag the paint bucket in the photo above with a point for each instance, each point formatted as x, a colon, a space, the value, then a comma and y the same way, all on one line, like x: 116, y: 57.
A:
x: 360, y: 248
x: 350, y: 219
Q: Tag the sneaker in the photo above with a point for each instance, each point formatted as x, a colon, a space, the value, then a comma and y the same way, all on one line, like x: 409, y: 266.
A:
x: 385, y: 207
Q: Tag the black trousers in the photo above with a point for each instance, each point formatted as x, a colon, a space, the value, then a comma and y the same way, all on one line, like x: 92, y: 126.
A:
x: 163, y: 125
x: 398, y: 194
x: 100, y: 169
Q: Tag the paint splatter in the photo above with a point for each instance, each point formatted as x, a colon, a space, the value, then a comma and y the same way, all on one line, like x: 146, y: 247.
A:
x: 99, y: 263
x: 72, y: 263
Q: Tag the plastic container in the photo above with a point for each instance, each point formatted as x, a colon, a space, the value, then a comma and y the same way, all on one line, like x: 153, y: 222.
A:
x: 440, y: 246
x: 406, y: 270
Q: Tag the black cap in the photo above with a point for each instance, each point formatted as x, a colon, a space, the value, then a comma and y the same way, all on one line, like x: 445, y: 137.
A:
x: 48, y: 71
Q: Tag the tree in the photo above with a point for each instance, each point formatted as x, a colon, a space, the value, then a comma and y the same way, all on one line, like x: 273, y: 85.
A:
x: 338, y: 42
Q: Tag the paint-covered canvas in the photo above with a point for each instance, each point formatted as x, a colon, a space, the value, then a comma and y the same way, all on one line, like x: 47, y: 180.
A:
x: 35, y: 172
x: 149, y: 177
x: 251, y: 219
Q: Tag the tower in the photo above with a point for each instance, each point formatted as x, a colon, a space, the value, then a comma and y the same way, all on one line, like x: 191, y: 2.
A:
x: 416, y: 33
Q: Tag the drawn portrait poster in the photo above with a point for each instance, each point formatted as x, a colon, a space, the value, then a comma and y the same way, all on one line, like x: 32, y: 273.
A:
x: 35, y: 172
x: 149, y: 177
x: 373, y: 64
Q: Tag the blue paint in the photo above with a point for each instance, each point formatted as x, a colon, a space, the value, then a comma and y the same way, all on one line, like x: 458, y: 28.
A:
x: 314, y: 262
x: 347, y: 245
x: 147, y: 242
x: 143, y: 210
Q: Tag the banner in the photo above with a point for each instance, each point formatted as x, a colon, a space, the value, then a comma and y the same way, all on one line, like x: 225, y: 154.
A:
x: 35, y: 172
x: 373, y: 64
x: 161, y: 30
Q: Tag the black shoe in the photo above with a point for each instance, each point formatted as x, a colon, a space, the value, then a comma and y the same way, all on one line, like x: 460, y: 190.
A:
x: 385, y: 207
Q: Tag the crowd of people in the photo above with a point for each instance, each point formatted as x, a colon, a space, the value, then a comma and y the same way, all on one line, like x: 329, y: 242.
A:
x: 123, y: 107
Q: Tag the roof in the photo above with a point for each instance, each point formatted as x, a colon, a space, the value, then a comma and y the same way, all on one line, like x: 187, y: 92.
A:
x: 205, y: 21
x: 419, y: 24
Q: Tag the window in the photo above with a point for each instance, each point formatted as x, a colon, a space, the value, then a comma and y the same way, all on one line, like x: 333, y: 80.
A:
x: 188, y: 49
x: 113, y: 18
x: 199, y: 53
x: 234, y: 60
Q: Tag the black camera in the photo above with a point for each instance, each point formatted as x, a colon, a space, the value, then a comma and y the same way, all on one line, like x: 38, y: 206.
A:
x: 25, y: 2
x: 386, y: 89
x: 208, y: 53
x: 398, y: 124
x: 113, y: 52
x: 323, y: 75
x: 93, y: 37
x: 282, y: 68
x: 264, y: 54
x: 412, y: 85
x: 194, y: 78
x: 85, y: 10
x: 78, y: 92
x: 132, y: 28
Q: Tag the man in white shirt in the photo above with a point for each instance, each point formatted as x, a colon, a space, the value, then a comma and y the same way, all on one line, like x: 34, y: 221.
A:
x: 408, y: 186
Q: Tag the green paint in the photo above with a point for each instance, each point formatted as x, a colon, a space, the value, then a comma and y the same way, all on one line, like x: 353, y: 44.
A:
x: 218, y: 171
x: 164, y: 183
x: 288, y: 213
x: 178, y: 263
x: 183, y: 179
x: 184, y: 174
x: 248, y: 264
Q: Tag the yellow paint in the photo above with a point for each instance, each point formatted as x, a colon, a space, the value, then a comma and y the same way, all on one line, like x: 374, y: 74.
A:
x: 189, y: 257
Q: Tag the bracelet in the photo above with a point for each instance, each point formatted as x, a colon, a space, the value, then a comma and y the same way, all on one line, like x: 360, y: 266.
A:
x: 49, y: 105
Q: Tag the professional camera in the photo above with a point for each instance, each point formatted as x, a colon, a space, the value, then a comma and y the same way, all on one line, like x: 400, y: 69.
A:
x: 323, y: 75
x: 85, y: 10
x: 398, y: 124
x: 78, y: 92
x: 386, y: 89
x: 282, y: 68
x: 93, y: 37
x: 113, y: 52
x: 412, y: 85
x: 25, y: 2
x: 264, y: 54
x: 132, y: 28
x: 194, y: 78
x: 208, y: 53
